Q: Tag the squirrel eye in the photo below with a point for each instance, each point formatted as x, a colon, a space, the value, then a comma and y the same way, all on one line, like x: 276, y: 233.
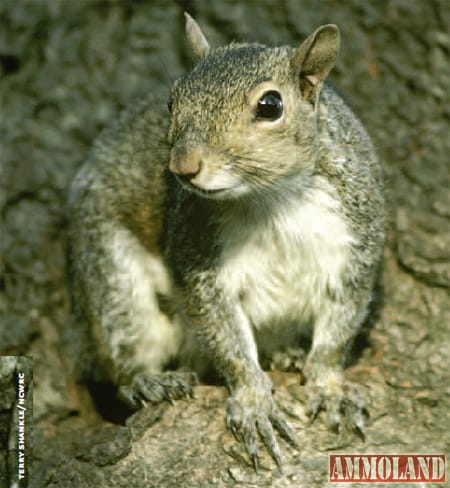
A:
x: 269, y: 107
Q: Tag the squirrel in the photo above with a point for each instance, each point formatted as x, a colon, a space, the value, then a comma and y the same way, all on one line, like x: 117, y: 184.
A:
x: 221, y: 221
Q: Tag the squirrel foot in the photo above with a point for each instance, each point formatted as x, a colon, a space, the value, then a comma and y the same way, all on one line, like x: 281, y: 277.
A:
x: 252, y: 411
x: 344, y: 404
x: 155, y: 388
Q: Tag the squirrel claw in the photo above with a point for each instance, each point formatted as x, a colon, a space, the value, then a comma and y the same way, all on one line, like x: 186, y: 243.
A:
x: 246, y: 422
x: 345, y: 407
x: 284, y: 429
x: 156, y: 388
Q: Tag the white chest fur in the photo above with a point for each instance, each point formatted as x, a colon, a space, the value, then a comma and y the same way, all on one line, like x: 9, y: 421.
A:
x: 281, y: 267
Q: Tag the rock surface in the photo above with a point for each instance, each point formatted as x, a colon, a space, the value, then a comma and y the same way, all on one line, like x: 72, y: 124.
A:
x: 67, y: 69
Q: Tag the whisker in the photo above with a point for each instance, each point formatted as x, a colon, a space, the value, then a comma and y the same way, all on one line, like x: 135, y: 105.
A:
x: 262, y: 179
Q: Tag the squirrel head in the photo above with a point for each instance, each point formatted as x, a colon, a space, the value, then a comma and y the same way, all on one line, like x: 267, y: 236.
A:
x: 244, y: 119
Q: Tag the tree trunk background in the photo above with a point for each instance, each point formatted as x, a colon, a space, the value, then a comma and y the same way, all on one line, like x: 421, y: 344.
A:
x: 68, y: 67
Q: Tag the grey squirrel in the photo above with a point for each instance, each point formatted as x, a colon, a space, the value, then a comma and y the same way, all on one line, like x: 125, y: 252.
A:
x: 244, y: 208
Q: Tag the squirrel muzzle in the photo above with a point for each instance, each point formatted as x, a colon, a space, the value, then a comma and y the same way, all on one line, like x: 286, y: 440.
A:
x: 187, y: 165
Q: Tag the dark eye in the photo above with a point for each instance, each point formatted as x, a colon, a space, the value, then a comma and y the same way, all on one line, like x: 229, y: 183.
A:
x: 169, y: 105
x: 269, y: 107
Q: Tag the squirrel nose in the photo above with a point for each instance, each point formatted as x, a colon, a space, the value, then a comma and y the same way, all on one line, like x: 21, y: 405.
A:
x: 188, y: 167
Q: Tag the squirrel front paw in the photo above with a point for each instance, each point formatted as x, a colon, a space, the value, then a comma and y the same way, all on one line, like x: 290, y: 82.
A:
x: 343, y: 402
x: 155, y: 388
x: 250, y: 411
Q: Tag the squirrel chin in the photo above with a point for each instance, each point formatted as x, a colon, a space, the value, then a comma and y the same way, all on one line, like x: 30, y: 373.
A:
x: 214, y: 193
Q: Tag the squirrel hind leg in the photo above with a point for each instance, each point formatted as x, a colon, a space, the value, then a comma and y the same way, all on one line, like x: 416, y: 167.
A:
x: 122, y: 314
x: 155, y: 388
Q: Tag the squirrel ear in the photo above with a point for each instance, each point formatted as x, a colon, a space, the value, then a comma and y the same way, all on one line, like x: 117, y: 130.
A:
x: 315, y: 58
x: 195, y: 37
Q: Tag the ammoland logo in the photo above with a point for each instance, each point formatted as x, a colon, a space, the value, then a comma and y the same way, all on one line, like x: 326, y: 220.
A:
x: 393, y: 468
